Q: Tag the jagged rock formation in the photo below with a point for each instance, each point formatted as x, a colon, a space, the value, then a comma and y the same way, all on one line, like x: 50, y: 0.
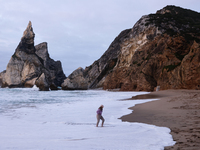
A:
x: 94, y: 74
x: 31, y: 65
x: 1, y: 76
x: 162, y: 49
x: 75, y: 81
x: 54, y: 68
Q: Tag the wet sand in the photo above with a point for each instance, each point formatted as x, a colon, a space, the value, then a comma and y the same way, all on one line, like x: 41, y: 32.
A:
x: 178, y: 110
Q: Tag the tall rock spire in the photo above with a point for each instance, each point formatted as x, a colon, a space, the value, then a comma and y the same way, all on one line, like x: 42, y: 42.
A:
x: 28, y: 34
x: 31, y: 65
x: 27, y: 41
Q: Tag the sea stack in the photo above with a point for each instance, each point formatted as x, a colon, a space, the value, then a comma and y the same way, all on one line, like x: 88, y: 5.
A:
x: 31, y: 65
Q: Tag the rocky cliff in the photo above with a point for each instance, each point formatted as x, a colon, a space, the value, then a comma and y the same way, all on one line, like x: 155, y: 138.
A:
x: 31, y: 65
x: 162, y: 49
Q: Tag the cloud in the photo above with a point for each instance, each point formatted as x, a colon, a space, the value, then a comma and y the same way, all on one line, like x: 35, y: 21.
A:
x: 77, y: 32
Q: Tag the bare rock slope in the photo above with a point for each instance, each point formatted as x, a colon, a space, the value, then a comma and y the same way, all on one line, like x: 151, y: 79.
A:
x: 161, y: 49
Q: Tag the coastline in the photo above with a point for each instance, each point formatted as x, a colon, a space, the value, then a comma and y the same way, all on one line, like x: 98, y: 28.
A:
x: 178, y: 110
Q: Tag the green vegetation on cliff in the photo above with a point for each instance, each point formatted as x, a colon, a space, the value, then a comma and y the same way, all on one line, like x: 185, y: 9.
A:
x: 175, y: 20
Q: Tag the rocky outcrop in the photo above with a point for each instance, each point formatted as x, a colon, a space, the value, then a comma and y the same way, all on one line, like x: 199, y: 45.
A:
x: 42, y: 82
x: 75, y: 81
x: 54, y: 68
x: 1, y: 76
x: 94, y: 75
x: 161, y: 49
x: 31, y: 65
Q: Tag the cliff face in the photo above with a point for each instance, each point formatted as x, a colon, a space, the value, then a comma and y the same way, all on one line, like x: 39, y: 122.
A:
x: 31, y: 65
x: 162, y: 49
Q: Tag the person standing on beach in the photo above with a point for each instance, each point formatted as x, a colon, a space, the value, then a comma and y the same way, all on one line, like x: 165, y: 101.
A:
x: 99, y: 116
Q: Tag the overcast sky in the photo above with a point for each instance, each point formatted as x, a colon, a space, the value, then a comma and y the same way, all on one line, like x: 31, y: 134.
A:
x: 78, y: 32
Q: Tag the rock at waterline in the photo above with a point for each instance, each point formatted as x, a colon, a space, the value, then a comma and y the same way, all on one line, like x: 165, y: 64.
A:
x: 31, y: 65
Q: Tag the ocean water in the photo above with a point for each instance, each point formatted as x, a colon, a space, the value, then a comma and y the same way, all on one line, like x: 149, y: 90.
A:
x: 66, y: 120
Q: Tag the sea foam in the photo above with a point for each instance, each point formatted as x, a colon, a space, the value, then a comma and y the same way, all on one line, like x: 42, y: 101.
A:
x: 57, y: 120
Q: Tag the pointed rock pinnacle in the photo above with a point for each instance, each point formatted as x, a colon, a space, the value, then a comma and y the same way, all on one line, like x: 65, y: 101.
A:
x: 27, y: 41
x: 28, y: 34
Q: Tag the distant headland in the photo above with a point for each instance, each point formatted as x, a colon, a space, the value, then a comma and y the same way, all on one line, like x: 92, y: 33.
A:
x: 161, y: 50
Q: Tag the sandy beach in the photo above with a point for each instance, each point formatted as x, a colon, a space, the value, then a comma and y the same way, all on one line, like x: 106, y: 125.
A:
x: 178, y: 110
